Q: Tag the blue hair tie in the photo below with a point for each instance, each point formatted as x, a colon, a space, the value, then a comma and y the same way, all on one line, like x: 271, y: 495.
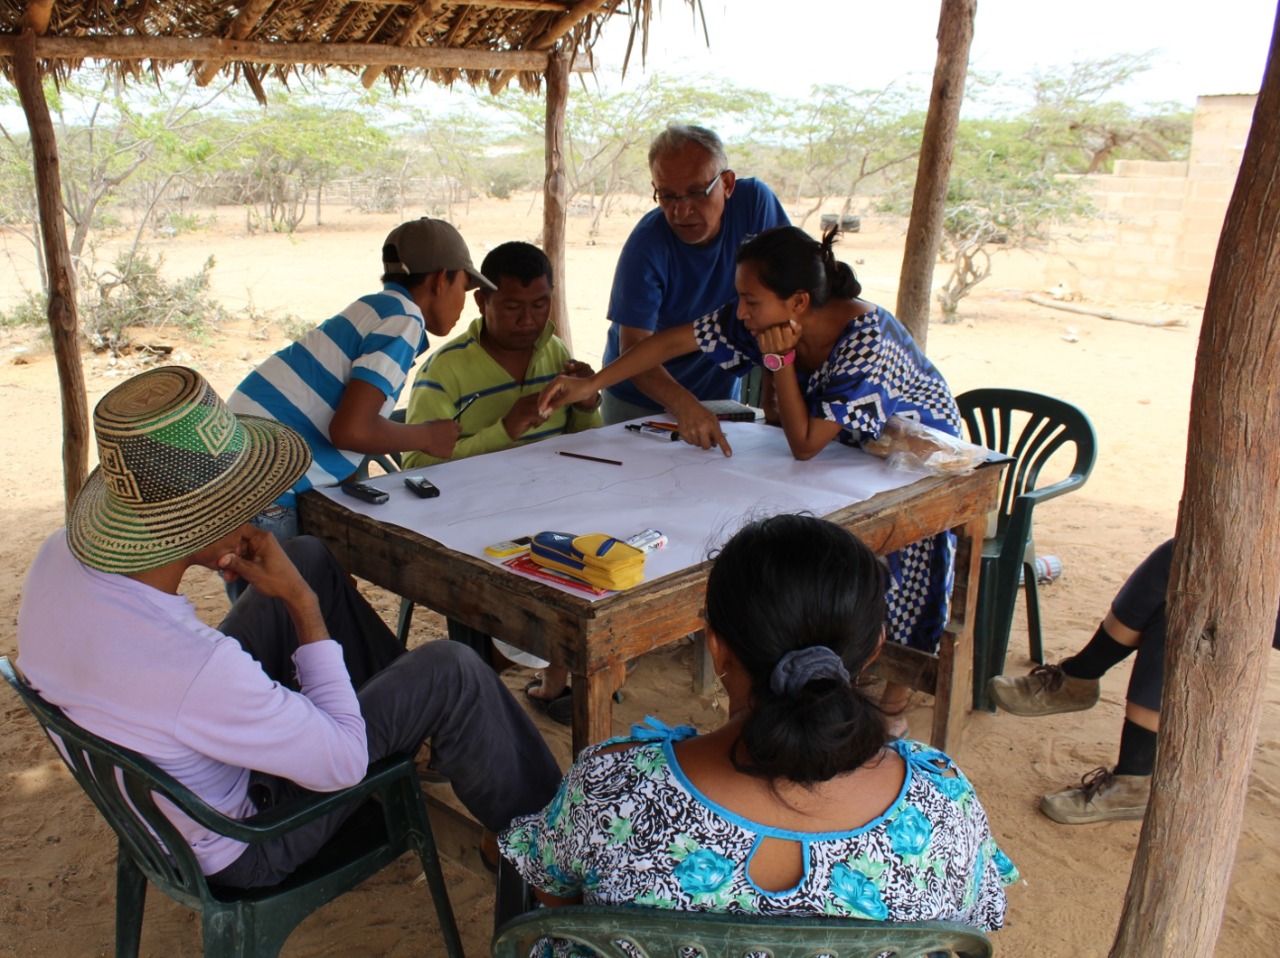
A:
x: 799, y: 667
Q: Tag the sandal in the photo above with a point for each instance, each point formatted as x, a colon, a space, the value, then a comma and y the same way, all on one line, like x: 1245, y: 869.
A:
x: 558, y: 709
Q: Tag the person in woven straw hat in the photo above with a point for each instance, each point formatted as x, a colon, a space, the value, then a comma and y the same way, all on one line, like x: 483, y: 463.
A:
x: 338, y: 384
x: 298, y: 689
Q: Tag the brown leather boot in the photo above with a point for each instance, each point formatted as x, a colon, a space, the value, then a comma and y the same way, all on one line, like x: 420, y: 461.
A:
x: 1046, y: 691
x: 1101, y: 796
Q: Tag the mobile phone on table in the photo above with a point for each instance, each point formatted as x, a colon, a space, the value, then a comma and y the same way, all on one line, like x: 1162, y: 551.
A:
x: 366, y: 492
x: 421, y: 487
x: 508, y: 547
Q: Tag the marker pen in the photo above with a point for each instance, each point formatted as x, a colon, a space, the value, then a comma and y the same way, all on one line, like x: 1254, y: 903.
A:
x: 663, y: 435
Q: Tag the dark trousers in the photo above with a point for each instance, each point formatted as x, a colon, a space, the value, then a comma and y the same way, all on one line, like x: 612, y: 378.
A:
x: 1140, y: 605
x: 481, y: 739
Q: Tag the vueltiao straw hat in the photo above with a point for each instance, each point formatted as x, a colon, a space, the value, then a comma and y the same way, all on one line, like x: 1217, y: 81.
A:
x: 178, y: 471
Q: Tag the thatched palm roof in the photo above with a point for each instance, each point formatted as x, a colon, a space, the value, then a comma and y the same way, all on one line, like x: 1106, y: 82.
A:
x: 486, y: 42
x: 480, y: 42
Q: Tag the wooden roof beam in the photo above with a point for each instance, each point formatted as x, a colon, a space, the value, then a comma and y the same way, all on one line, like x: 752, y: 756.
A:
x: 249, y: 16
x: 579, y: 12
x: 417, y: 20
x: 180, y: 50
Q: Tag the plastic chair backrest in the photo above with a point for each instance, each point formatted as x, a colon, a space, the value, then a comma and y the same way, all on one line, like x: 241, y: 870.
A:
x: 1031, y: 428
x: 1034, y: 430
x: 122, y: 785
x: 626, y: 932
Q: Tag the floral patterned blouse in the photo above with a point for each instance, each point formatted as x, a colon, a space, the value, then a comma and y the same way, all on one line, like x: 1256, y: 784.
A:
x: 628, y: 827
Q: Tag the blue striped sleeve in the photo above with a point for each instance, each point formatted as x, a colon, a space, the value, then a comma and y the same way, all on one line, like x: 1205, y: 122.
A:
x: 387, y: 355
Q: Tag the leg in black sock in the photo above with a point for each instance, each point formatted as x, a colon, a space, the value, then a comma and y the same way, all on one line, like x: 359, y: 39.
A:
x: 1100, y: 654
x: 1137, y: 750
x: 1137, y: 607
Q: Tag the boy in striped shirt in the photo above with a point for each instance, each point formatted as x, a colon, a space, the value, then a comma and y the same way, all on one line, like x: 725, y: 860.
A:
x: 337, y: 384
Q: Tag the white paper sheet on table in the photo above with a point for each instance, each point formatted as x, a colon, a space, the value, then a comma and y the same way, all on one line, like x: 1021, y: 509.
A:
x: 697, y: 498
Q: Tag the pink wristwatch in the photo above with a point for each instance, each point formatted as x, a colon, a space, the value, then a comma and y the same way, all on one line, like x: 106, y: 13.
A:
x: 775, y: 361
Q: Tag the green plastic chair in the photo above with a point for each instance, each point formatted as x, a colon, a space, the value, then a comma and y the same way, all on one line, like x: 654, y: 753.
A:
x: 238, y: 922
x: 1032, y: 429
x: 625, y: 932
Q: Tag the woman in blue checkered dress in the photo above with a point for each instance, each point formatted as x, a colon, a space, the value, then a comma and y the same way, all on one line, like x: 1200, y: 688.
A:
x: 839, y: 367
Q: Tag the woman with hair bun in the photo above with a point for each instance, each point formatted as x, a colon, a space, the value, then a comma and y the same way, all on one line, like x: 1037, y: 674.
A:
x: 838, y: 367
x: 798, y: 804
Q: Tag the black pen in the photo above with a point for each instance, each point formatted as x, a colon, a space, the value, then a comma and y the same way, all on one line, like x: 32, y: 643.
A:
x: 465, y: 403
x: 653, y: 432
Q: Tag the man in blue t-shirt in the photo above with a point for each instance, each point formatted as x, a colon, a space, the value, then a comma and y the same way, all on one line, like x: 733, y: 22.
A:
x: 678, y: 264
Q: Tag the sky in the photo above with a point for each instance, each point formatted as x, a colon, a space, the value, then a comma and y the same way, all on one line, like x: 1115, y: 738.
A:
x: 1200, y: 47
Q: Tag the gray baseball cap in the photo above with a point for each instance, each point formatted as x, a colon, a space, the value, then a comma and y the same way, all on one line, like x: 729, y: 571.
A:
x: 429, y: 246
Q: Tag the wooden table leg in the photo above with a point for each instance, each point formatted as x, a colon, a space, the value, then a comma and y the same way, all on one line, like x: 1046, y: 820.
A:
x: 954, y: 696
x: 593, y: 705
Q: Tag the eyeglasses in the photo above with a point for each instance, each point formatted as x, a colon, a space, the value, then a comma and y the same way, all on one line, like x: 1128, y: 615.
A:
x: 663, y: 198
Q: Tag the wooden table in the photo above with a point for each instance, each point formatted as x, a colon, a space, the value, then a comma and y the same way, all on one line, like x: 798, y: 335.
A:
x: 595, y: 639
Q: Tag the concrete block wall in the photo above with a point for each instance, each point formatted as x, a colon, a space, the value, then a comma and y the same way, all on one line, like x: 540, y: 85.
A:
x: 1156, y: 231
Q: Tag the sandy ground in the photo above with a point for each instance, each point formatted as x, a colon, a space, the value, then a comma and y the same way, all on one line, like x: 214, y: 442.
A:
x: 57, y: 858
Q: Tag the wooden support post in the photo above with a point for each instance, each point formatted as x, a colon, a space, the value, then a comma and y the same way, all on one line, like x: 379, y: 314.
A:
x: 924, y: 231
x: 1224, y: 586
x: 556, y: 189
x: 64, y: 323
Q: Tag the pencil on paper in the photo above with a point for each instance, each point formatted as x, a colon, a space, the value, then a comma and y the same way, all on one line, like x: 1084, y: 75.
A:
x: 578, y: 455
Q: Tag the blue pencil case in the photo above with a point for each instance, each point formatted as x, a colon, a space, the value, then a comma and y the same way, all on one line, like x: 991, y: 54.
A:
x: 601, y: 560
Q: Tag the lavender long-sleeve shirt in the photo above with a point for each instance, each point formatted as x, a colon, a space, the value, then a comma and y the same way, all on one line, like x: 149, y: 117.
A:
x: 137, y: 667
